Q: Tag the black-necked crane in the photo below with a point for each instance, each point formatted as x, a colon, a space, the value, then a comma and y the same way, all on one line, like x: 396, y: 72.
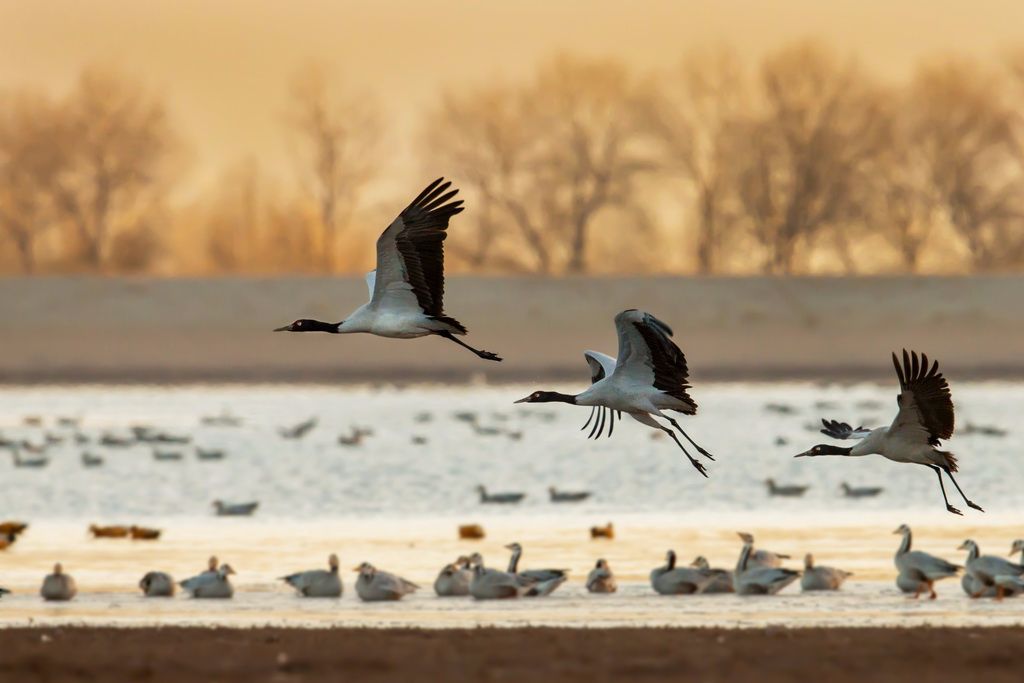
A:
x: 925, y: 417
x: 407, y: 287
x: 650, y: 377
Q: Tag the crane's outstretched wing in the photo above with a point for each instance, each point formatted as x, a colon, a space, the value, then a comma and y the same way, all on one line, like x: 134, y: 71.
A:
x: 926, y: 406
x: 842, y: 430
x: 648, y: 356
x: 601, y: 365
x: 410, y: 252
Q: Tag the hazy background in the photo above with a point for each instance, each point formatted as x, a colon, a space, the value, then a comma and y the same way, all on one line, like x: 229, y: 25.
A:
x: 589, y: 137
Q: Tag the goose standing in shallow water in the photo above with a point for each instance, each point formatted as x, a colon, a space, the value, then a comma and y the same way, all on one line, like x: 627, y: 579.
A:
x: 860, y: 491
x: 650, y: 377
x: 983, y: 572
x: 211, y: 584
x: 454, y: 579
x: 317, y: 583
x: 58, y: 585
x: 407, y: 287
x: 785, y: 490
x: 374, y: 585
x: 498, y: 498
x: 157, y: 585
x: 601, y: 579
x: 821, y: 578
x: 752, y: 580
x: 672, y: 580
x: 918, y: 571
x: 722, y: 581
x: 925, y: 417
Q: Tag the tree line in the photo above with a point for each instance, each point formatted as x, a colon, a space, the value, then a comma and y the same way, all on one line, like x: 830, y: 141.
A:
x: 802, y: 163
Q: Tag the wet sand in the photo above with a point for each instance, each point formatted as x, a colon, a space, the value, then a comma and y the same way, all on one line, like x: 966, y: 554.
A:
x: 765, y: 655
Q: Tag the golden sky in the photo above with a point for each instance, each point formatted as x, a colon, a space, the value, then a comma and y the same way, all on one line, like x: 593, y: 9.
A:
x: 223, y: 65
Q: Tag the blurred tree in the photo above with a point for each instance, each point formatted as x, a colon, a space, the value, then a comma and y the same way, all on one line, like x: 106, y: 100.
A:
x: 117, y: 142
x: 965, y: 128
x: 798, y: 158
x: 29, y: 162
x: 691, y: 112
x: 338, y: 133
x: 544, y: 159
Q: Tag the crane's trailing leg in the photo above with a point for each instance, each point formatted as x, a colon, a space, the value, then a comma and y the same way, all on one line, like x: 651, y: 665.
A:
x: 587, y: 423
x: 697, y: 465
x: 942, y: 487
x: 969, y: 503
x: 486, y: 355
x: 695, y: 444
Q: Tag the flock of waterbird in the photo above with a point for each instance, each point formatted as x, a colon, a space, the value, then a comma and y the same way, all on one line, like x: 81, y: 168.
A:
x: 647, y: 380
x: 757, y: 572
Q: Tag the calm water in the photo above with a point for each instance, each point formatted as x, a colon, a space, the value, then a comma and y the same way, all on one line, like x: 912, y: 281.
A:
x: 397, y: 503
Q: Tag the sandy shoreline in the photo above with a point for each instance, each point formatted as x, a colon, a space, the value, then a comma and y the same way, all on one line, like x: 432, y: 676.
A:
x: 136, y: 330
x: 766, y: 655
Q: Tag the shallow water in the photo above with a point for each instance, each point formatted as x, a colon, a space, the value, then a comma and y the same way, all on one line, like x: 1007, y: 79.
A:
x: 398, y: 504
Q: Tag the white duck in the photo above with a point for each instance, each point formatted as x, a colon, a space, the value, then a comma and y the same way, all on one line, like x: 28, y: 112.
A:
x: 917, y: 570
x: 317, y: 583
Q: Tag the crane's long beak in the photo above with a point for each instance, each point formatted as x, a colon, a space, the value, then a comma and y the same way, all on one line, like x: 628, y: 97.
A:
x: 523, y: 400
x: 805, y: 454
x: 286, y: 328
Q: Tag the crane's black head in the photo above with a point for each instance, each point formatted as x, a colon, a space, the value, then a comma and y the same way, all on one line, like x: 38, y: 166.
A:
x: 548, y: 397
x: 306, y: 325
x: 823, y: 449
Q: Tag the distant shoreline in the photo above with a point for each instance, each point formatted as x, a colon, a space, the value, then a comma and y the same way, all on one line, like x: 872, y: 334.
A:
x: 127, y: 330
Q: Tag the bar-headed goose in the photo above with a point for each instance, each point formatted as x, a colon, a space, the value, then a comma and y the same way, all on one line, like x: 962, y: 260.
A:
x: 374, y: 585
x: 672, y: 580
x: 317, y: 583
x: 58, y: 586
x: 917, y: 570
x: 985, y: 570
x: 493, y: 584
x: 601, y: 579
x: 762, y: 558
x: 816, y: 578
x: 924, y: 419
x: 860, y: 491
x: 157, y: 585
x: 211, y: 584
x: 547, y: 579
x: 407, y: 287
x: 487, y: 497
x: 784, y: 490
x: 650, y: 377
x: 453, y: 580
x: 751, y: 580
x: 722, y: 581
